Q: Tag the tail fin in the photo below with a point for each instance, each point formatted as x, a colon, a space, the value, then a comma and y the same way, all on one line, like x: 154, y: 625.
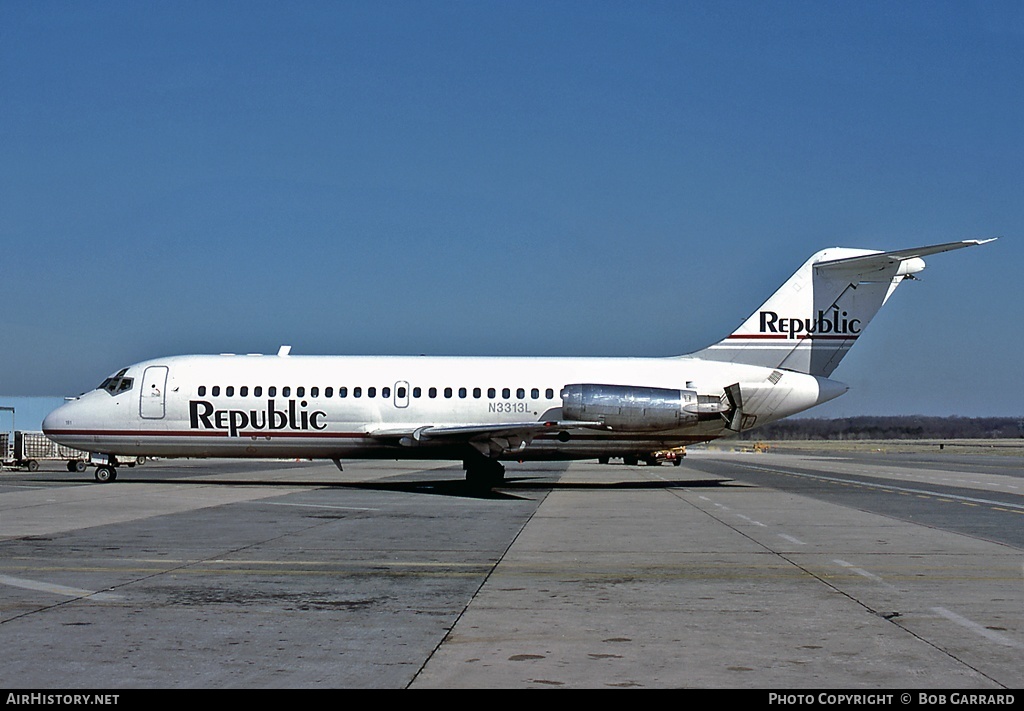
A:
x: 813, y: 320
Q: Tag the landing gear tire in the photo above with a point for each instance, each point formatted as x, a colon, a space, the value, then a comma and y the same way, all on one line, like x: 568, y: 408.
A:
x: 105, y: 474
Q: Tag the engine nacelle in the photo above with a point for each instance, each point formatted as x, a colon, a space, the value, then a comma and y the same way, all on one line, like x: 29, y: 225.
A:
x: 630, y: 408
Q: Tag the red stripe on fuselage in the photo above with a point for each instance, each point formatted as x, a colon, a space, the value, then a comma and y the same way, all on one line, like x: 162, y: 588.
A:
x: 198, y: 433
x: 800, y: 337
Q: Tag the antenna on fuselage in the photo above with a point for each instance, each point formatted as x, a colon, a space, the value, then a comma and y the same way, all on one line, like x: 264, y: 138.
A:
x: 284, y: 351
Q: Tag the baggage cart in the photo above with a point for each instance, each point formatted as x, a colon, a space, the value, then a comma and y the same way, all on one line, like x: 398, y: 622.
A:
x: 31, y: 448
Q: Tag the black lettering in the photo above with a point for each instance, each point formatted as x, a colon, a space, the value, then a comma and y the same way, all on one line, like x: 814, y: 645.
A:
x: 834, y: 322
x: 314, y: 420
x: 239, y: 420
x: 824, y: 325
x: 195, y: 417
x: 203, y: 415
x: 276, y: 419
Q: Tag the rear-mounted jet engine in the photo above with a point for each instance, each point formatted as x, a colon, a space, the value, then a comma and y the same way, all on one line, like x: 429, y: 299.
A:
x: 637, y: 409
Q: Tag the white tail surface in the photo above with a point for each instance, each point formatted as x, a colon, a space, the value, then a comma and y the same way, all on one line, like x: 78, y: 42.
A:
x: 813, y: 320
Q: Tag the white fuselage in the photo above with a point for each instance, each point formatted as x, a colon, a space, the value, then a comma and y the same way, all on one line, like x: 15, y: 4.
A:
x: 344, y: 406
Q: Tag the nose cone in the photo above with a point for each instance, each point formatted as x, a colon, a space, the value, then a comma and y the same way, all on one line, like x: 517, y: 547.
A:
x: 58, y: 421
x: 51, y: 420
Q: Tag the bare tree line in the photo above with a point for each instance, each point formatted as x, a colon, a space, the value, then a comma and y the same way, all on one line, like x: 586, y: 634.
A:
x: 892, y: 427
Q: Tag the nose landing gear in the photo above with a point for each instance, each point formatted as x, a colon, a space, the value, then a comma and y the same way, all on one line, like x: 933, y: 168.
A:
x: 105, y: 473
x: 106, y: 467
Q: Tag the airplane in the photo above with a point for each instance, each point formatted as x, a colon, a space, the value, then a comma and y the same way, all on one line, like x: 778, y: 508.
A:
x: 483, y: 410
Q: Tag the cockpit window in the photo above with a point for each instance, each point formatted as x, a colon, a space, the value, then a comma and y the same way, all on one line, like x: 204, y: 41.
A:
x: 117, y: 384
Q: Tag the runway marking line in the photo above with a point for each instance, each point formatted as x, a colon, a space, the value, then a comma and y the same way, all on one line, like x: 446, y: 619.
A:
x: 920, y: 493
x: 54, y: 589
x: 977, y: 628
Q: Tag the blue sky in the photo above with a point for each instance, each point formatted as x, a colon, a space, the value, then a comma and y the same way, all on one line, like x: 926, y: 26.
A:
x: 542, y: 178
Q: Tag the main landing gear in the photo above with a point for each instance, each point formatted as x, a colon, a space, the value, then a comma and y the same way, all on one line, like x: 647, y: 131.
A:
x: 483, y: 472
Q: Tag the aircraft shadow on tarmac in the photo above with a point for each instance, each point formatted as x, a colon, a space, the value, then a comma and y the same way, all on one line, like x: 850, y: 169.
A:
x: 451, y: 487
x: 511, y: 485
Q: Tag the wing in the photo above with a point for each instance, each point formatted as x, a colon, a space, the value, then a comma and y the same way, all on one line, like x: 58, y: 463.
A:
x: 490, y: 439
